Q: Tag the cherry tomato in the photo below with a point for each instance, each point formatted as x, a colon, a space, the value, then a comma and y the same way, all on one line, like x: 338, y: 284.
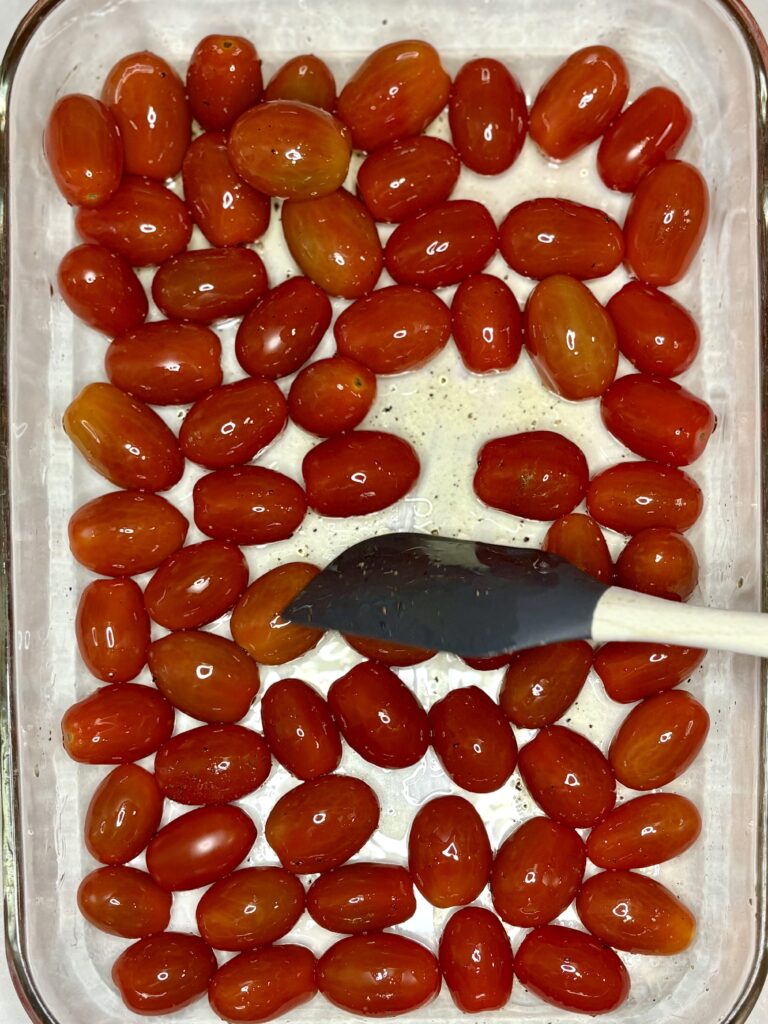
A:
x: 226, y: 210
x: 650, y: 130
x: 647, y: 830
x: 112, y: 630
x: 306, y: 79
x: 117, y: 724
x: 632, y: 671
x: 83, y: 150
x: 321, y: 823
x: 361, y: 897
x: 358, y: 473
x: 540, y: 684
x: 579, y: 540
x: 578, y: 102
x: 256, y: 623
x: 379, y: 716
x: 634, y: 496
x: 212, y: 764
x: 204, y: 675
x: 405, y: 178
x: 490, y: 664
x: 123, y: 815
x: 223, y: 80
x: 248, y: 505
x: 657, y: 419
x: 125, y: 902
x: 487, y: 115
x: 334, y: 241
x: 147, y: 99
x: 572, y: 970
x: 252, y: 907
x: 204, y: 285
x: 200, y: 847
x: 387, y: 653
x: 665, y: 223
x: 378, y: 975
x: 476, y: 960
x: 163, y: 973
x: 331, y: 395
x: 232, y: 424
x: 473, y: 740
x: 536, y: 475
x: 101, y: 289
x: 659, y: 562
x: 300, y: 730
x: 635, y: 913
x: 283, y: 329
x: 196, y: 585
x: 568, y: 777
x: 655, y: 333
x: 658, y: 740
x: 443, y: 245
x: 449, y: 856
x: 487, y: 325
x: 263, y: 984
x: 394, y: 93
x: 165, y: 363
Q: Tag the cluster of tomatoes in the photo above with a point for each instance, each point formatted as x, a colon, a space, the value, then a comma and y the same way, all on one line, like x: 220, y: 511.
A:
x: 293, y: 141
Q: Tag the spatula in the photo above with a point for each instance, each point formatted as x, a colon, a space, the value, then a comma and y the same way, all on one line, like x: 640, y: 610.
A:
x: 479, y: 600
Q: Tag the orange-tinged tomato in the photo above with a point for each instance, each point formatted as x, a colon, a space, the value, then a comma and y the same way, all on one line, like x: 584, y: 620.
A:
x: 650, y: 130
x: 405, y: 178
x: 331, y: 395
x: 256, y: 623
x: 101, y: 289
x: 223, y: 80
x: 123, y: 815
x: 487, y: 115
x: 655, y: 333
x: 125, y: 902
x: 147, y: 99
x: 659, y: 562
x: 361, y: 897
x: 200, y: 847
x: 300, y: 730
x: 226, y: 210
x: 263, y: 984
x: 112, y: 628
x: 473, y: 740
x: 334, y: 241
x: 163, y: 973
x: 632, y: 671
x: 395, y: 92
x: 540, y: 684
x: 568, y: 777
x: 476, y: 960
x: 83, y: 150
x: 660, y: 737
x: 117, y: 724
x: 579, y: 540
x: 634, y: 496
x: 231, y: 424
x: 213, y: 764
x: 248, y: 505
x: 578, y: 102
x: 449, y: 856
x: 487, y: 324
x: 196, y: 585
x: 203, y: 285
x: 321, y: 823
x: 387, y: 653
x: 252, y: 907
x: 536, y: 475
x: 648, y: 830
x: 306, y: 79
x: 393, y: 329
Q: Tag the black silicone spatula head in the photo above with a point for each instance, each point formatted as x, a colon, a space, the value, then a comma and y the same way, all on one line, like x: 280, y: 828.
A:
x: 462, y: 596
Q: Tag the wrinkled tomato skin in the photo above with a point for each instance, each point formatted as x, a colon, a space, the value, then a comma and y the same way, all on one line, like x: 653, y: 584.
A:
x: 659, y: 562
x: 146, y: 98
x: 112, y: 629
x: 251, y: 907
x: 630, y: 672
x: 163, y: 973
x: 300, y: 730
x: 306, y: 79
x: 200, y: 847
x: 223, y: 80
x: 248, y: 505
x: 256, y: 624
x: 406, y: 178
x: 83, y: 150
x: 487, y: 116
x: 476, y: 960
x: 117, y: 724
x: 660, y: 737
x: 124, y: 902
x: 196, y: 585
x: 449, y: 855
x: 655, y: 333
x: 212, y: 764
x: 389, y: 654
x: 123, y: 815
x: 535, y: 475
x: 579, y: 540
x: 645, y: 831
x: 487, y: 324
x: 394, y: 94
x: 473, y: 740
x: 331, y: 396
x: 578, y: 102
x: 635, y: 496
x: 551, y: 761
x: 263, y: 984
x: 540, y: 684
x: 321, y: 823
x: 101, y: 289
x: 537, y: 872
x: 361, y: 897
x: 203, y: 285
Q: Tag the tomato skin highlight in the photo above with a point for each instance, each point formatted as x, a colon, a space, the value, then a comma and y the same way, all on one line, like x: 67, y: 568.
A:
x: 306, y: 79
x: 117, y: 724
x: 635, y: 496
x: 251, y: 907
x: 487, y: 115
x: 196, y: 585
x: 248, y: 505
x: 124, y: 902
x: 541, y: 683
x: 223, y: 80
x: 262, y: 984
x: 487, y: 324
x: 300, y: 730
x: 458, y: 877
x: 83, y: 149
x: 361, y: 897
x: 629, y: 672
x: 203, y: 285
x: 331, y: 396
x: 406, y: 178
x: 473, y: 740
x: 101, y: 289
x: 659, y: 562
x: 476, y: 960
x: 163, y: 973
x: 579, y: 540
x: 112, y: 629
x: 655, y: 333
x: 200, y: 847
x: 123, y: 815
x: 648, y: 830
x: 213, y: 764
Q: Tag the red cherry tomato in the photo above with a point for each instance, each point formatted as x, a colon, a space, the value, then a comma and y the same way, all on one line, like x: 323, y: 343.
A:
x: 212, y: 764
x: 263, y: 984
x: 647, y: 830
x: 117, y: 724
x: 495, y: 661
x: 449, y: 856
x: 659, y: 562
x: 361, y: 897
x: 655, y: 333
x: 331, y: 395
x: 125, y: 902
x: 579, y: 540
x: 395, y: 92
x: 200, y: 847
x: 578, y: 102
x: 476, y: 960
x: 223, y: 80
x: 473, y: 740
x: 123, y: 815
x: 405, y: 178
x: 487, y: 325
x: 535, y: 475
x: 540, y: 684
x: 196, y: 585
x: 568, y: 777
x: 658, y: 740
x: 101, y: 289
x: 251, y: 907
x: 300, y: 730
x: 487, y: 115
x: 631, y: 672
x: 163, y: 973
x: 634, y: 496
x: 83, y: 150
x: 147, y: 99
x: 387, y: 653
x: 112, y: 630
x: 248, y: 505
x: 321, y: 823
x: 306, y: 79
x: 204, y: 285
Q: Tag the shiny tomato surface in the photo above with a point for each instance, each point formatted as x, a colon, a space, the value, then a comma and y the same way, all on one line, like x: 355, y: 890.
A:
x: 306, y: 79
x: 163, y: 973
x: 655, y: 333
x: 101, y: 289
x: 659, y: 562
x: 248, y: 505
x: 263, y: 984
x: 251, y: 907
x: 449, y: 855
x: 256, y: 623
x: 540, y: 684
x: 487, y: 115
x: 473, y: 739
x: 331, y: 395
x: 630, y: 672
x: 361, y: 897
x: 212, y: 764
x: 83, y: 150
x: 125, y: 902
x: 387, y: 653
x: 200, y: 847
x: 112, y: 629
x: 196, y: 585
x: 123, y: 815
x: 117, y: 724
x: 223, y: 80
x: 648, y: 830
x: 487, y: 324
x: 579, y: 540
x: 405, y: 178
x: 233, y: 423
x: 203, y: 285
x: 476, y: 960
x: 635, y: 496
x: 300, y: 730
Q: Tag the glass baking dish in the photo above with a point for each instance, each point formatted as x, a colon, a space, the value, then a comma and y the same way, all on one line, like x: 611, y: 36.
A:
x: 710, y: 50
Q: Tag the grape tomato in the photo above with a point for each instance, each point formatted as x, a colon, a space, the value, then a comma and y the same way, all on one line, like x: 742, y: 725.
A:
x: 83, y: 149
x: 331, y: 396
x: 488, y: 116
x: 300, y: 730
x: 449, y: 855
x: 406, y: 178
x: 476, y: 960
x: 251, y: 907
x: 305, y: 79
x: 223, y: 80
x: 212, y: 764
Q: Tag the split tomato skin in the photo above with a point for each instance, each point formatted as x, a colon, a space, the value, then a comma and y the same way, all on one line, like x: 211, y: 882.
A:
x: 305, y: 79
x: 473, y: 740
x: 579, y: 540
x: 101, y: 289
x: 223, y: 80
x: 487, y: 324
x: 406, y: 178
x: 300, y: 730
x: 487, y: 115
x: 331, y: 396
x: 361, y: 897
x: 635, y: 496
x: 83, y: 149
x: 203, y: 285
x: 248, y: 505
x: 648, y: 830
x: 251, y: 907
x: 163, y: 973
x: 449, y: 855
x: 265, y: 983
x: 196, y: 585
x: 476, y: 960
x: 124, y: 902
x: 200, y: 847
x: 212, y: 764
x: 112, y: 629
x: 655, y: 333
x: 117, y: 724
x: 123, y: 815
x: 659, y: 562
x: 631, y: 672
x: 540, y: 684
